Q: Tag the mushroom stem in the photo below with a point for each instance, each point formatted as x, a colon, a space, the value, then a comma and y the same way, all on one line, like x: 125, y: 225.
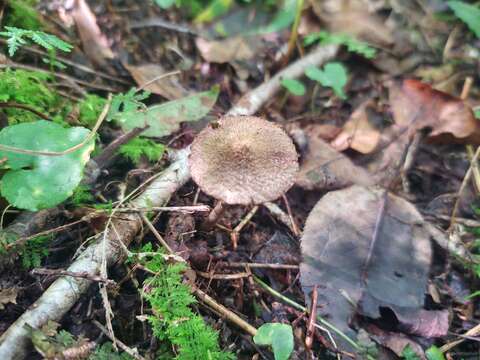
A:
x: 213, y: 217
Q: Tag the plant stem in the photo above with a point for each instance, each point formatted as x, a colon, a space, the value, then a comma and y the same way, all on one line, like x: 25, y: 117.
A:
x: 304, y: 309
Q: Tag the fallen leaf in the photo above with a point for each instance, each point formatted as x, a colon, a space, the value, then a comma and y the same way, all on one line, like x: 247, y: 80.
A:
x: 428, y: 324
x: 8, y: 296
x: 366, y: 249
x: 397, y: 342
x: 94, y: 42
x: 360, y: 132
x: 230, y: 49
x: 164, y: 119
x: 169, y: 87
x: 354, y: 18
x: 324, y: 168
x: 417, y: 106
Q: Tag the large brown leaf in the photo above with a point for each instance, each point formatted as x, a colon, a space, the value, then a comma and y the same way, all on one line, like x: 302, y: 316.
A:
x: 369, y: 246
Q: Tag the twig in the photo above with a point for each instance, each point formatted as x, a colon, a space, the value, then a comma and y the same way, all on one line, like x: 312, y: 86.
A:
x: 183, y: 209
x: 312, y: 319
x: 295, y: 230
x: 258, y: 265
x: 464, y: 184
x: 24, y: 107
x: 236, y: 231
x: 156, y: 233
x: 132, y: 352
x: 278, y: 213
x: 230, y: 315
x: 472, y: 332
x: 158, y: 22
x: 236, y: 276
x: 84, y: 275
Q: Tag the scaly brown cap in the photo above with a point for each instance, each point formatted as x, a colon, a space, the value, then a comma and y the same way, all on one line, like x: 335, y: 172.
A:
x: 243, y: 160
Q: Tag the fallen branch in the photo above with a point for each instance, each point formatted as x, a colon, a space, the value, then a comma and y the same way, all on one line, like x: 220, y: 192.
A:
x: 57, y: 300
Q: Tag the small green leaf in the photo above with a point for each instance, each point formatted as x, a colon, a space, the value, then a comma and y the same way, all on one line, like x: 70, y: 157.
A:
x: 165, y: 4
x: 333, y: 75
x: 434, y: 353
x: 279, y: 336
x: 477, y: 113
x: 164, y: 119
x: 473, y: 295
x: 469, y: 14
x: 36, y: 182
x: 138, y: 147
x: 409, y: 354
x: 295, y: 87
x: 282, y: 19
x: 214, y: 10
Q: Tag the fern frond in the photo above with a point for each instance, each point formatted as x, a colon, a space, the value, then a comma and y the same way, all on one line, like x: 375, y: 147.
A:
x: 17, y: 37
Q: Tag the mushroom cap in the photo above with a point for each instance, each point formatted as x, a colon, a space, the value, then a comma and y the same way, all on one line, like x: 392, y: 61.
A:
x: 243, y: 160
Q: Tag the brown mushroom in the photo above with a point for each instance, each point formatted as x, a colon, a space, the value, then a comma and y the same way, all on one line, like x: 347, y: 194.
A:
x: 243, y: 160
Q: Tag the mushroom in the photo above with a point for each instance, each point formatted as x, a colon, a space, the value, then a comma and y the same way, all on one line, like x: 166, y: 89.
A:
x: 242, y: 160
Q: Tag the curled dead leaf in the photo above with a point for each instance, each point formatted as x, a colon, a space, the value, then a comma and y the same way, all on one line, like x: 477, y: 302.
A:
x: 324, y: 168
x: 359, y: 132
x: 417, y: 106
x: 224, y: 51
x: 169, y: 86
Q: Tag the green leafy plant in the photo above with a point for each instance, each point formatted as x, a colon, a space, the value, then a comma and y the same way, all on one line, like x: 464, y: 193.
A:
x: 352, y: 44
x: 409, y: 354
x: 468, y: 13
x: 333, y: 75
x: 165, y: 118
x: 173, y: 319
x: 17, y: 37
x: 29, y: 88
x: 434, y: 353
x: 40, y: 181
x: 34, y: 251
x: 90, y: 108
x: 81, y: 196
x: 293, y: 86
x: 138, y: 147
x: 279, y: 336
x: 127, y: 102
x: 22, y: 14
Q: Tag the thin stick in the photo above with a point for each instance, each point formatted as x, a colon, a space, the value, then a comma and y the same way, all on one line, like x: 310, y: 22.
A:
x: 464, y: 184
x: 280, y: 215
x: 311, y: 319
x: 258, y: 265
x: 234, y: 235
x: 229, y: 315
x: 472, y: 332
x: 84, y: 275
x: 90, y: 136
x: 156, y: 233
x: 207, y: 275
x: 183, y: 209
x: 24, y: 107
x: 213, y: 217
x: 159, y: 77
x: 132, y: 352
x: 295, y: 230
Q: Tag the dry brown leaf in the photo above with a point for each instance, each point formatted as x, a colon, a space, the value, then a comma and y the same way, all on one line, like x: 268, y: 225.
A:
x: 8, y: 296
x: 324, y: 168
x: 359, y: 132
x: 95, y: 44
x: 169, y: 87
x: 418, y: 106
x: 227, y: 50
x: 365, y: 246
